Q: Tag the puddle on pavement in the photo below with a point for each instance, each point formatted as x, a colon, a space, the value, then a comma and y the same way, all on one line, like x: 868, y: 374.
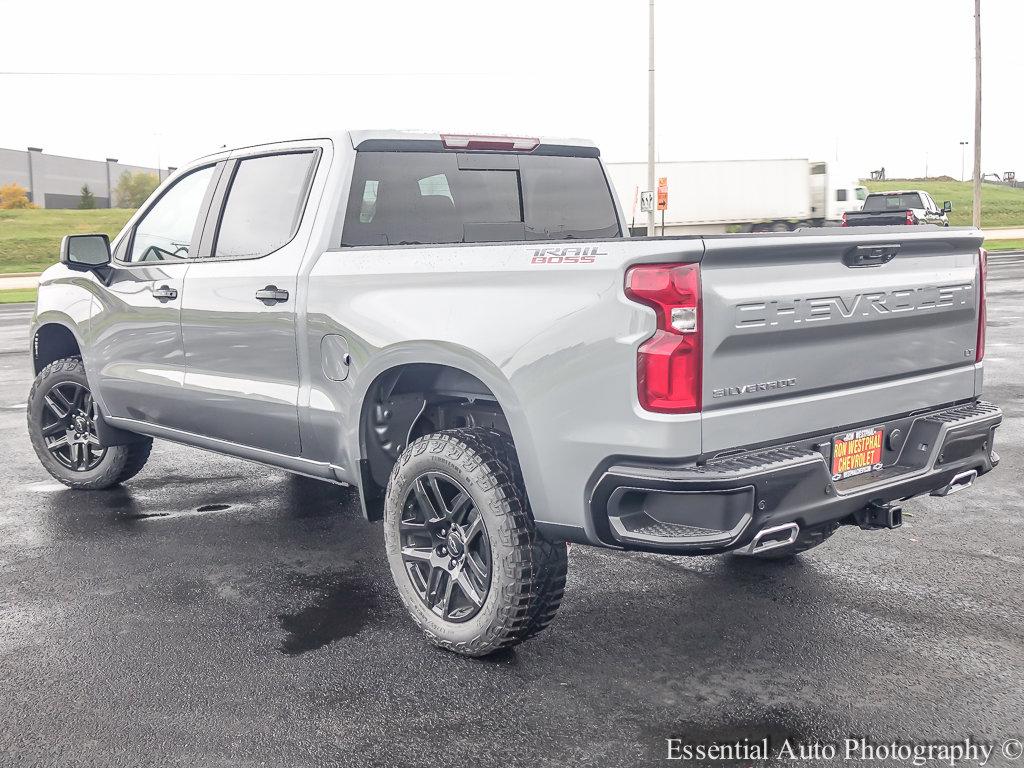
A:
x: 341, y: 608
x: 203, y: 509
x: 213, y: 507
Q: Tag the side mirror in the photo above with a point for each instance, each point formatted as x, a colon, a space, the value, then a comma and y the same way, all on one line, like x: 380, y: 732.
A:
x: 84, y: 253
x: 947, y: 207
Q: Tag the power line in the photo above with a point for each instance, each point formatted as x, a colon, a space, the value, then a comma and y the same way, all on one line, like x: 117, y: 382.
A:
x: 254, y: 74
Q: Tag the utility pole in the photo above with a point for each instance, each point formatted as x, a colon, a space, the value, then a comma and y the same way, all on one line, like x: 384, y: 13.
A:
x: 963, y: 150
x: 976, y: 213
x: 650, y: 119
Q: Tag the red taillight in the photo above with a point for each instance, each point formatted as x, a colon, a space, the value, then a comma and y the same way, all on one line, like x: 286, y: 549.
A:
x: 845, y: 222
x: 669, y: 362
x: 910, y: 217
x: 979, y: 350
x: 498, y: 143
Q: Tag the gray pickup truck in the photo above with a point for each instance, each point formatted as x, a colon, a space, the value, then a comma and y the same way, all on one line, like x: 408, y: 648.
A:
x: 460, y: 327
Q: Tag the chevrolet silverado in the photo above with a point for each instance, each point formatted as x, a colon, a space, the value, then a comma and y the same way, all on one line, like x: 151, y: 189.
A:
x: 460, y: 327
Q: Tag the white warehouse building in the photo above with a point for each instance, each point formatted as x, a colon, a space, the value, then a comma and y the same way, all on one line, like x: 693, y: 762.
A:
x: 54, y: 181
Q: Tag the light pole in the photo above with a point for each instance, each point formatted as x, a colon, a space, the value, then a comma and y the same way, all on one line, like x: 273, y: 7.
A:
x: 976, y: 209
x: 650, y: 119
x: 963, y: 149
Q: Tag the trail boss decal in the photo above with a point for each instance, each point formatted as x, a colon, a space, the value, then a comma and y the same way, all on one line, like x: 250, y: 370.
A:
x: 574, y: 255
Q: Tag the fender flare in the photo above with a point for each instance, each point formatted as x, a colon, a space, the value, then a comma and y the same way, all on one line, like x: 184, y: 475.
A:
x: 453, y: 356
x: 54, y: 317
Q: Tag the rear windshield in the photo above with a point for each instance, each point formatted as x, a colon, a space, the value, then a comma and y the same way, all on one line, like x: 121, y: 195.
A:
x: 893, y: 202
x: 408, y: 198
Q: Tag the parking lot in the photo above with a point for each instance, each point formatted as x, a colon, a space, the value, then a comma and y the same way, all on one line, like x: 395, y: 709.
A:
x: 215, y: 612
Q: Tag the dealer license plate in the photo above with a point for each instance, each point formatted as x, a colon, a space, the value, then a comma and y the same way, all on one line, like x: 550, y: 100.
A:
x: 856, y: 453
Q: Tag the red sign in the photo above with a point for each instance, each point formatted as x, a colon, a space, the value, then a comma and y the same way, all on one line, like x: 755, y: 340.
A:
x: 662, y: 193
x: 856, y: 453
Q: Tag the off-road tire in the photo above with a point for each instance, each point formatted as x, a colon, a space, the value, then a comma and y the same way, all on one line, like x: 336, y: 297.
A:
x: 808, y: 538
x: 528, y: 572
x: 119, y: 463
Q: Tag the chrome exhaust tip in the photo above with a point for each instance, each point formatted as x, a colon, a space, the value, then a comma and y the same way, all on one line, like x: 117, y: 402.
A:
x: 772, y: 538
x: 958, y: 483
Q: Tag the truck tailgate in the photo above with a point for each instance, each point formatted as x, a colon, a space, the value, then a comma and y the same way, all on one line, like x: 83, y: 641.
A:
x: 880, y: 219
x: 814, y: 331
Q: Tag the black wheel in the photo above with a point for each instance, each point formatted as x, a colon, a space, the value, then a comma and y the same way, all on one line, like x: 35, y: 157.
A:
x: 62, y: 418
x: 468, y: 563
x: 808, y: 538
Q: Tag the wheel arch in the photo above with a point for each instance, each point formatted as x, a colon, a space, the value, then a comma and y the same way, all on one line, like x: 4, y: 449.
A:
x: 416, y: 387
x: 53, y: 339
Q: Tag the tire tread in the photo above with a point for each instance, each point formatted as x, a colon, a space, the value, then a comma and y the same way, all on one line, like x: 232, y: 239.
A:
x: 537, y: 565
x: 126, y: 460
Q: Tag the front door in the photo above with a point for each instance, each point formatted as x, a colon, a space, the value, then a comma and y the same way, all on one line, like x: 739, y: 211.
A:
x: 136, y: 359
x: 238, y: 310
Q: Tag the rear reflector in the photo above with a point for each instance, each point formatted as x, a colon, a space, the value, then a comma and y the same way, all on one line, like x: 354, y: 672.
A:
x: 669, y: 376
x: 979, y: 349
x: 499, y: 143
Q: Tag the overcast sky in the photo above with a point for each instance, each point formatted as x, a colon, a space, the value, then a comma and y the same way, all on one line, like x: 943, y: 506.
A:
x: 871, y: 83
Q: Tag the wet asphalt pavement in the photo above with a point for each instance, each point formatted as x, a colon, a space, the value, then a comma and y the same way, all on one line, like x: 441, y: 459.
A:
x: 214, y: 612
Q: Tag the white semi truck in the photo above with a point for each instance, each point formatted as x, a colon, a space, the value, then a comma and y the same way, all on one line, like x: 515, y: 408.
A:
x: 717, y: 196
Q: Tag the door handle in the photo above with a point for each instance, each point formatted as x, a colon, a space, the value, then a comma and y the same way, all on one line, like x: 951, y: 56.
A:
x: 871, y: 255
x: 272, y: 295
x: 164, y: 293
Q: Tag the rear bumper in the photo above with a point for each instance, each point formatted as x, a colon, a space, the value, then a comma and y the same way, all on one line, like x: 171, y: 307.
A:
x: 721, y: 505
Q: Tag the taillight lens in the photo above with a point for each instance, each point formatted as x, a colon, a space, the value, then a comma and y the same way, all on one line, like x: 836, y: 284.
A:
x: 669, y: 362
x: 910, y: 217
x: 845, y: 223
x: 979, y: 349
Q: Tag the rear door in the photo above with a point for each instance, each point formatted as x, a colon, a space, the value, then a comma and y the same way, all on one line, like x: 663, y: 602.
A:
x: 812, y: 332
x: 238, y: 311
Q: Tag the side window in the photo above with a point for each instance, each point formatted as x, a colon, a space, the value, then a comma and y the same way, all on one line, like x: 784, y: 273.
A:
x: 165, y: 233
x: 841, y: 195
x: 567, y: 198
x: 264, y: 205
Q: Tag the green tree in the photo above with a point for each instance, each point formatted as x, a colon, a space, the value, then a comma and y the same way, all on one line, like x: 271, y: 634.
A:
x: 133, y: 188
x: 14, y: 195
x: 87, y: 201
